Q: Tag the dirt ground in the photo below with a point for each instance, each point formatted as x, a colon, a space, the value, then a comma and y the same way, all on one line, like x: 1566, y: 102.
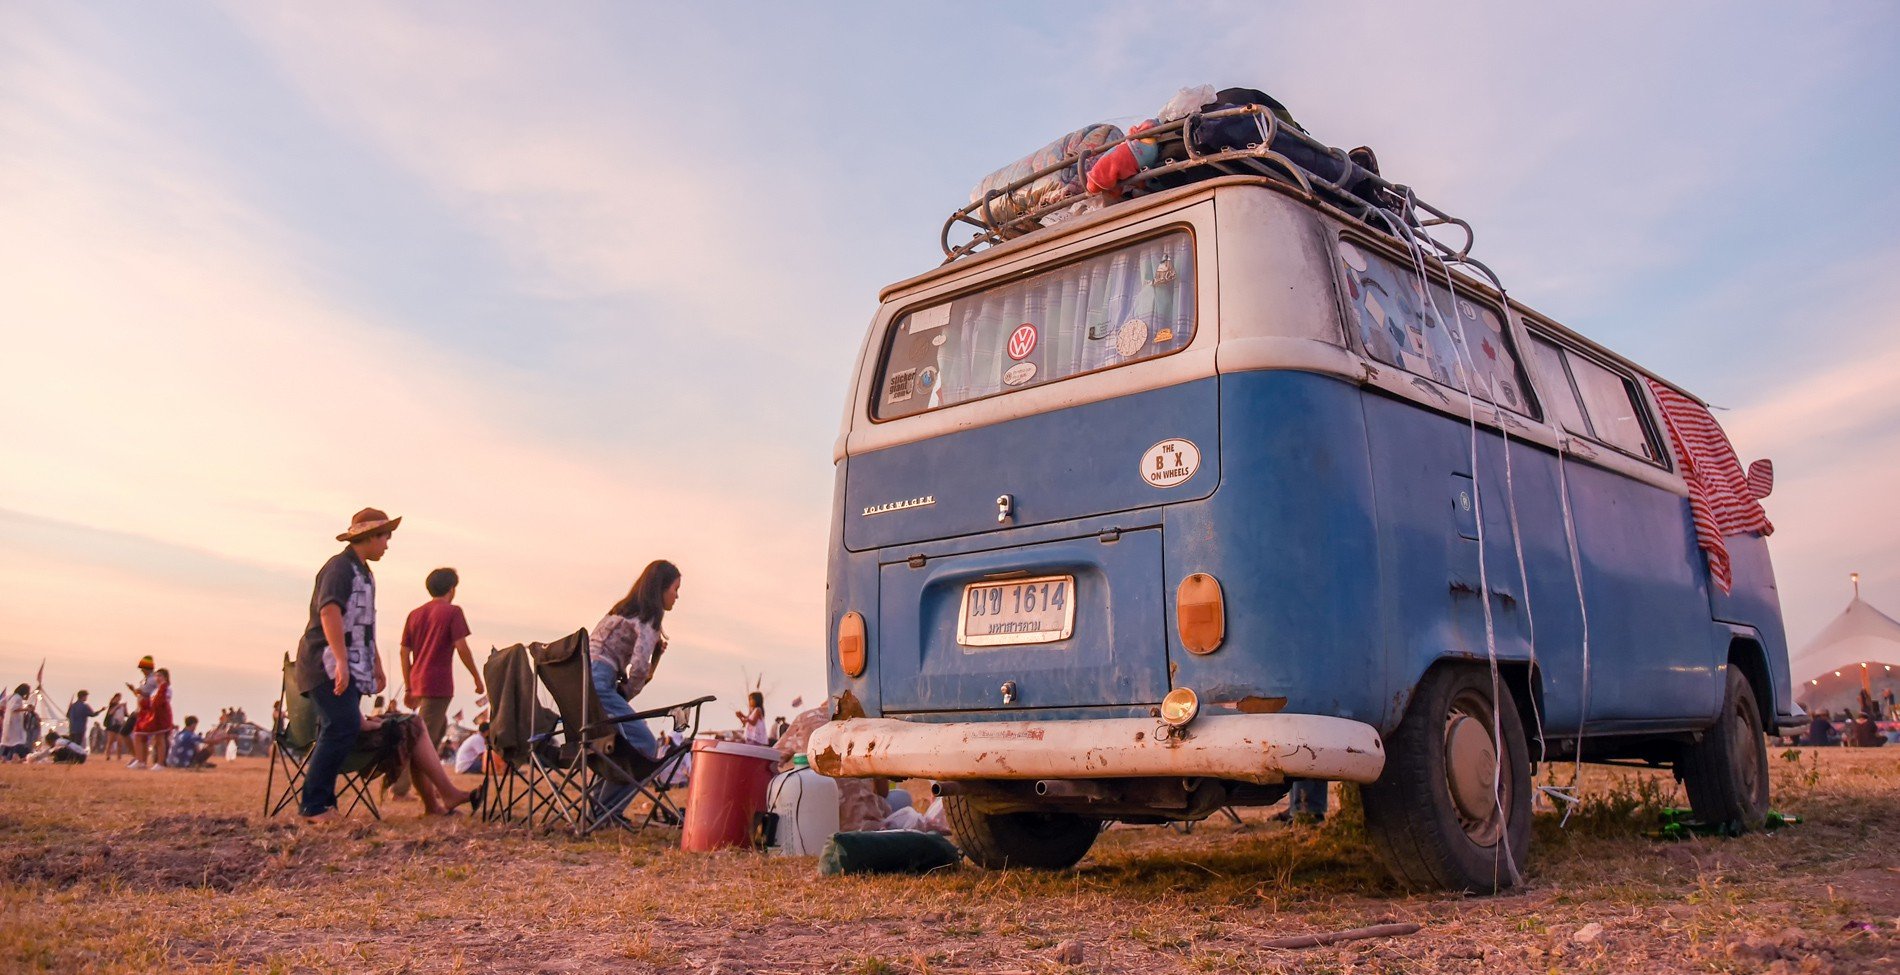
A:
x: 108, y: 870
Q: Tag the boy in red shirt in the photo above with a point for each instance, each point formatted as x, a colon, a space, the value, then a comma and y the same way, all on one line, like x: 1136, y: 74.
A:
x: 434, y: 630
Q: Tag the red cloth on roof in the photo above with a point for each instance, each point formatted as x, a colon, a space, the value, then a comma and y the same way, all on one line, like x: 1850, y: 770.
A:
x: 1719, y: 495
x: 1123, y: 161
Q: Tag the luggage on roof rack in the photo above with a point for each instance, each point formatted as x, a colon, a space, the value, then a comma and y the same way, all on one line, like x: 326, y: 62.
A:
x: 1222, y: 139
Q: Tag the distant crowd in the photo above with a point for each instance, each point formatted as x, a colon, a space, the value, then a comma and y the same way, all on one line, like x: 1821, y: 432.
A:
x: 1862, y: 730
x: 140, y: 728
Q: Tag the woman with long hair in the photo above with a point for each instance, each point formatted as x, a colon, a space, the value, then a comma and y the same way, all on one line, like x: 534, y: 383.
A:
x: 626, y: 645
x: 118, y: 728
x: 152, y: 734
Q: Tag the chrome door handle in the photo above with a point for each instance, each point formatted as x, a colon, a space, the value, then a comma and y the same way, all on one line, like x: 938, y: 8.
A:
x: 1004, y: 507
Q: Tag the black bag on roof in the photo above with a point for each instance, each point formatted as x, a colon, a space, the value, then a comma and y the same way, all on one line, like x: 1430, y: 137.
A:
x: 1291, y: 140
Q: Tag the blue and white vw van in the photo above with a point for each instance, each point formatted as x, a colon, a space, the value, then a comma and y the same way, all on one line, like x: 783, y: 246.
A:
x: 1147, y: 513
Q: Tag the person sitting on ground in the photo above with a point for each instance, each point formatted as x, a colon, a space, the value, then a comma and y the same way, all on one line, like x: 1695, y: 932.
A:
x: 191, y: 749
x: 402, y: 744
x: 58, y: 749
x: 1864, y: 733
x: 1820, y: 731
x: 473, y: 750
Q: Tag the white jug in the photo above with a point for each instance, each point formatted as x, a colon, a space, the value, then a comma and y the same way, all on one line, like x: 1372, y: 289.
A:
x: 806, y: 804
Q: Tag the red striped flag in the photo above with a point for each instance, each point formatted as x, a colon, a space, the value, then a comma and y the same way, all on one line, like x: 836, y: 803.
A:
x: 1720, y: 497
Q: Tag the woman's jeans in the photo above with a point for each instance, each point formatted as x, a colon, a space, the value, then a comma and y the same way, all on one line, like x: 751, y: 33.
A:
x: 633, y: 734
x: 338, y: 722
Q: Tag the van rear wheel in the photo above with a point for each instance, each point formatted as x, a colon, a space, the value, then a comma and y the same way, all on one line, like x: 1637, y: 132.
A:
x: 1036, y: 840
x: 1453, y: 806
x: 1726, y: 773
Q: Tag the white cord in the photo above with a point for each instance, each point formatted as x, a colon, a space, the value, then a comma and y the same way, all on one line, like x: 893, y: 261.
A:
x: 1583, y: 610
x: 1466, y: 369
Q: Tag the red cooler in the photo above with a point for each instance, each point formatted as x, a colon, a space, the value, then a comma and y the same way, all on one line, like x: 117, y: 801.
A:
x: 727, y: 788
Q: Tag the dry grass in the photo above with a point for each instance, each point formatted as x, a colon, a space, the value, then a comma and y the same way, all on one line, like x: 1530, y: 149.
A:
x: 105, y: 870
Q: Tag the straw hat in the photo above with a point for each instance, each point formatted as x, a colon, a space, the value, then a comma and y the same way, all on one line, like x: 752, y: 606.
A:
x: 368, y: 522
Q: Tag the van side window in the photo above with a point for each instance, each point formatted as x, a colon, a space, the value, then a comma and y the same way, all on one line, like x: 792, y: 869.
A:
x: 1396, y: 325
x: 1554, y: 382
x: 1592, y: 400
x: 1107, y: 310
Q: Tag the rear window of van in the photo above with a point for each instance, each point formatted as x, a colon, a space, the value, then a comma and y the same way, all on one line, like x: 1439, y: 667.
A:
x: 1111, y: 309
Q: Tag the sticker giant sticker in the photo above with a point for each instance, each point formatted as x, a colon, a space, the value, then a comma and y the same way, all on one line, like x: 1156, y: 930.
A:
x: 1170, y: 462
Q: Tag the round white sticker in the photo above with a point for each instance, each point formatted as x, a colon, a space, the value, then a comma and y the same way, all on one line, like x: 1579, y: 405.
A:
x: 1133, y: 335
x: 1019, y: 374
x: 1170, y: 462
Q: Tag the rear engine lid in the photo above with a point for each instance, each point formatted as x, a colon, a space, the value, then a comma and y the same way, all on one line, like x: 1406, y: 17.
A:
x: 1074, y: 623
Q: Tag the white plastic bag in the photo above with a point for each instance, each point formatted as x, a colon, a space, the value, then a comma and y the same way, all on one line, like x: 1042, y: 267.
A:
x: 934, y: 818
x: 906, y: 818
x: 1185, y: 102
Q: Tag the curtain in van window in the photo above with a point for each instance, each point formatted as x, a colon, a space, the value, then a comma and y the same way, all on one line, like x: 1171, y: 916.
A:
x: 1124, y: 306
x: 1397, y: 326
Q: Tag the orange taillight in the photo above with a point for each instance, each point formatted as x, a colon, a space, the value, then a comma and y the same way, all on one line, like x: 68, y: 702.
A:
x: 851, y: 644
x: 1200, y: 613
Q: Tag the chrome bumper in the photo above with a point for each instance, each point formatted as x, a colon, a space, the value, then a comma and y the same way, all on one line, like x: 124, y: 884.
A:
x: 1259, y: 748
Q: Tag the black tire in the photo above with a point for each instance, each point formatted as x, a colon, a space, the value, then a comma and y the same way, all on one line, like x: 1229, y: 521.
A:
x: 1434, y: 815
x: 1035, y: 840
x: 1726, y: 773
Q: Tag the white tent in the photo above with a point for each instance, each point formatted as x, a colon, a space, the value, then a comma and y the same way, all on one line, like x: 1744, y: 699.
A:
x: 1861, y: 634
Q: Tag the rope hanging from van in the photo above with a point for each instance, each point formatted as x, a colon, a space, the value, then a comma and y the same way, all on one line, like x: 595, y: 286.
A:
x: 1568, y: 795
x: 1466, y: 369
x: 1565, y: 794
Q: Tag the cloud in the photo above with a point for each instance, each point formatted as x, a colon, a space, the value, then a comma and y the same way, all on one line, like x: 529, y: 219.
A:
x: 1833, y: 431
x: 182, y: 380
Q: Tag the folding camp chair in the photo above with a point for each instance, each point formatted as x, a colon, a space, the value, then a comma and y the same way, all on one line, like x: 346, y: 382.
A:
x: 512, y: 791
x: 668, y: 773
x: 293, y: 737
x: 595, y: 775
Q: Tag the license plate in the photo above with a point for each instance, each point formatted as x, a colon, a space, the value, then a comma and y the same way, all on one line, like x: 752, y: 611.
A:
x: 1039, y: 610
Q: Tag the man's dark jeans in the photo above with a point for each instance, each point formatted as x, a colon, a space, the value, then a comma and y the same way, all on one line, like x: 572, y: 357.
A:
x: 339, y: 720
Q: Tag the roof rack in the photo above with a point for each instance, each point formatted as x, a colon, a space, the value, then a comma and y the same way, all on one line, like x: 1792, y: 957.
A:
x: 1385, y: 207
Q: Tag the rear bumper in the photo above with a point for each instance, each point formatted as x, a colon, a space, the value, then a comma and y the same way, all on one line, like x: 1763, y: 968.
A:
x: 1258, y: 748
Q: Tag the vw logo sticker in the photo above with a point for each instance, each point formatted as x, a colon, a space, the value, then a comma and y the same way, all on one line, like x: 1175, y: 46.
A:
x: 1022, y: 342
x: 1170, y: 462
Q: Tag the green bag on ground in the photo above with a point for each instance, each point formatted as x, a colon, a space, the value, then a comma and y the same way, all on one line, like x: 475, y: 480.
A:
x: 887, y: 851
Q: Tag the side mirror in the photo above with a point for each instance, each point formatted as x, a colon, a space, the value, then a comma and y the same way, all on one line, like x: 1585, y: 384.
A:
x: 1761, y: 479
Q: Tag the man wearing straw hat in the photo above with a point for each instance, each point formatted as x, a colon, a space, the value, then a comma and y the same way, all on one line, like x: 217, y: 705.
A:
x: 336, y: 661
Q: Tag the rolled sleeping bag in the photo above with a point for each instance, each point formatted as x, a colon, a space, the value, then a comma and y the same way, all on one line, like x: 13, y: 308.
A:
x: 887, y: 851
